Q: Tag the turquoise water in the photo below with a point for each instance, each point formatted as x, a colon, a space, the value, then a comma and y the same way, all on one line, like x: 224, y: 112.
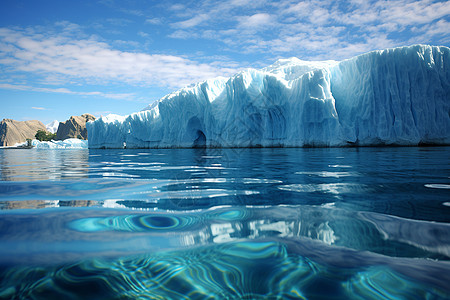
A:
x: 352, y: 223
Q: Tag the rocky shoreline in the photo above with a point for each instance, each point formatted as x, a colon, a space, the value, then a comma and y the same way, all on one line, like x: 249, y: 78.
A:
x: 14, y: 132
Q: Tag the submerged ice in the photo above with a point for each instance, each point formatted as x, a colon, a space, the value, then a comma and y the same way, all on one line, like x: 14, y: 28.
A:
x: 398, y: 96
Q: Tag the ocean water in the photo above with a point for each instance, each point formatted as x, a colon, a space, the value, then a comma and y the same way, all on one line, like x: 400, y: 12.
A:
x: 339, y: 223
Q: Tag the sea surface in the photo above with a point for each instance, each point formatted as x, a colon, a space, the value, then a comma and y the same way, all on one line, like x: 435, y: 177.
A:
x: 326, y: 223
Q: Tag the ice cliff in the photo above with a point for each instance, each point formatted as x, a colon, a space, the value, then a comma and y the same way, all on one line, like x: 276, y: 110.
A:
x: 398, y: 96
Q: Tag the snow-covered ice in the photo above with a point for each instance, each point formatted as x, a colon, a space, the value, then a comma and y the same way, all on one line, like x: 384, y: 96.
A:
x: 398, y: 96
x: 52, y: 126
x: 65, y: 144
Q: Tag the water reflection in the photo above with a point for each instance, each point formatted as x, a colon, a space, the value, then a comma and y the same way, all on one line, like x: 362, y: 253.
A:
x: 36, y: 164
x: 236, y: 223
x: 356, y: 179
x: 360, y: 231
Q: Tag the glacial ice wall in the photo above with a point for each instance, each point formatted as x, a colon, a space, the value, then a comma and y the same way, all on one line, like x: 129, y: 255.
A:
x: 398, y: 96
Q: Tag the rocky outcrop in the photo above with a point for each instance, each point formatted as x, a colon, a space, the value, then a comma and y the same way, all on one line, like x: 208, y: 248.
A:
x: 13, y: 132
x: 75, y: 127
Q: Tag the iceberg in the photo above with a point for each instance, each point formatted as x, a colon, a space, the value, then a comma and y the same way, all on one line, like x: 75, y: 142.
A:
x: 65, y: 144
x: 71, y: 143
x: 397, y: 96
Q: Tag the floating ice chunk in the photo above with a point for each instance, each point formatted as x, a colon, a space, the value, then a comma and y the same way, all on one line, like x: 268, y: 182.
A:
x: 65, y: 144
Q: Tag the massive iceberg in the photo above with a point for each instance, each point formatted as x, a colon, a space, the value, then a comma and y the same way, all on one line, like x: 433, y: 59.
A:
x: 398, y: 96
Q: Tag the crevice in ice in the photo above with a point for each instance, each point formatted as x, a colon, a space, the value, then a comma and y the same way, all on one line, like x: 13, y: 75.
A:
x: 200, y: 141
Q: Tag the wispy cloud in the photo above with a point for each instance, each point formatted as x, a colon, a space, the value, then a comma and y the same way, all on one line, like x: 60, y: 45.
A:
x: 91, y: 61
x: 154, y: 21
x: 320, y: 29
x: 38, y: 108
x: 192, y: 22
x: 18, y: 87
x: 256, y: 21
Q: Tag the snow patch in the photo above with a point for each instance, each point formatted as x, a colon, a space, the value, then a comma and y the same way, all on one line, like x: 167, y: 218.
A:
x: 53, y: 126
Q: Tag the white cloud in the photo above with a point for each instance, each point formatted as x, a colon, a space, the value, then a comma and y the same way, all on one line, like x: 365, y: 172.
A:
x: 439, y: 28
x: 400, y: 12
x: 413, y: 12
x: 315, y: 29
x: 38, y: 108
x: 177, y: 7
x: 92, y: 61
x: 154, y: 21
x: 183, y: 35
x: 192, y: 22
x: 143, y: 34
x: 18, y: 87
x: 322, y: 29
x: 255, y: 21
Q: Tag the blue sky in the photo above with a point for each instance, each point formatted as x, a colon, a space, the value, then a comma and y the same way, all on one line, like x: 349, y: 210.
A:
x: 61, y: 58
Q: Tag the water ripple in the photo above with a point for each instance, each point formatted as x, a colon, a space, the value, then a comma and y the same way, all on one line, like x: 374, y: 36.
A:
x: 225, y: 223
x: 332, y: 188
x: 246, y: 270
x: 135, y: 223
x: 438, y: 186
x: 364, y: 231
x: 330, y: 174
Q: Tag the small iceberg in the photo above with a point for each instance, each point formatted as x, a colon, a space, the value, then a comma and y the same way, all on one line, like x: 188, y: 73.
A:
x: 64, y: 144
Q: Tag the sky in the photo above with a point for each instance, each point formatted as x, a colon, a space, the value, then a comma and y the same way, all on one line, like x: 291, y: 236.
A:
x: 60, y: 58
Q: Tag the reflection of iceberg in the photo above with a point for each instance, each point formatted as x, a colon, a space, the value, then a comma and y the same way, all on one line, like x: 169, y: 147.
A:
x: 429, y: 236
x: 331, y: 188
x: 28, y: 204
x: 324, y: 233
x: 33, y: 164
x: 396, y: 96
x: 219, y: 225
x: 225, y: 224
x: 38, y: 204
x: 291, y: 249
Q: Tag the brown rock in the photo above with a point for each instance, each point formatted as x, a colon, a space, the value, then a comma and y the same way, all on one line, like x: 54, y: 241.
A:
x: 75, y: 127
x: 13, y: 132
